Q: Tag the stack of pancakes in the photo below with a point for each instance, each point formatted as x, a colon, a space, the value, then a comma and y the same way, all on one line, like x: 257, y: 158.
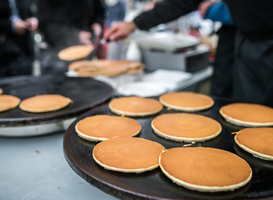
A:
x: 109, y: 68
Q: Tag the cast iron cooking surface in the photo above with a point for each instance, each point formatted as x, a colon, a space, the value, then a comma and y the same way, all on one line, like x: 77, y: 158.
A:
x: 154, y: 184
x: 86, y: 93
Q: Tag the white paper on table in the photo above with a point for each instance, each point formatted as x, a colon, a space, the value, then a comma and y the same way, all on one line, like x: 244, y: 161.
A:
x: 169, y: 79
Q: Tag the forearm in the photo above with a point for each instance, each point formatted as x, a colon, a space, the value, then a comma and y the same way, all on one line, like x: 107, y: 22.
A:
x: 164, y: 12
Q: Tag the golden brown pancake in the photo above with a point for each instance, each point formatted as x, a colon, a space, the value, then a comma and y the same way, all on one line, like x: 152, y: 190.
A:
x: 186, y: 101
x: 135, y: 67
x: 1, y: 91
x: 257, y: 141
x: 102, y: 127
x: 108, y: 68
x: 186, y: 127
x: 248, y: 114
x: 75, y: 52
x: 112, y: 71
x: 205, y: 169
x: 8, y: 102
x: 82, y: 64
x: 44, y: 103
x: 128, y: 154
x: 135, y: 106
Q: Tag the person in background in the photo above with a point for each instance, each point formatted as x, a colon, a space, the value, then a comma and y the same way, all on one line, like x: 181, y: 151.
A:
x: 16, y: 46
x: 71, y: 22
x: 244, y: 52
x: 115, y: 12
x: 253, y: 53
x: 216, y: 12
x: 66, y: 23
x: 222, y: 79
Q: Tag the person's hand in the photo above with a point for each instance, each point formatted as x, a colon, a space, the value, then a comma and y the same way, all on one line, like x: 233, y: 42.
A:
x: 96, y: 28
x: 32, y: 23
x: 20, y: 26
x: 85, y: 37
x: 203, y: 7
x: 120, y: 30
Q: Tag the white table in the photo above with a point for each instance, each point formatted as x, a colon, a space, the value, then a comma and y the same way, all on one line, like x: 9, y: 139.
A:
x: 34, y: 168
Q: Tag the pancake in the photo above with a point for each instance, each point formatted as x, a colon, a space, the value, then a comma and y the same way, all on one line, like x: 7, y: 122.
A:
x: 128, y: 154
x: 102, y: 127
x: 256, y: 141
x: 186, y: 101
x: 75, y: 52
x: 205, y: 169
x: 135, y: 106
x: 110, y: 68
x: 135, y: 67
x: 248, y: 114
x: 112, y: 71
x: 82, y: 64
x: 8, y: 102
x: 44, y: 103
x: 186, y: 127
x: 1, y: 91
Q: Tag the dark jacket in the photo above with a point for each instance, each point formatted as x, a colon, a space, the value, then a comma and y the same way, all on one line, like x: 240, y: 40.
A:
x: 253, y: 50
x: 61, y: 20
x: 253, y: 18
x: 15, y: 48
x: 244, y: 58
x: 164, y: 12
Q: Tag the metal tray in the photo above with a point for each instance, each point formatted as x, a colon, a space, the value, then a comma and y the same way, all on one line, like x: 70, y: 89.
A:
x: 86, y: 93
x: 154, y: 184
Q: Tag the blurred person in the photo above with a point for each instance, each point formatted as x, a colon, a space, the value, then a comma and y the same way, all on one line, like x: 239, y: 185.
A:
x: 16, y: 46
x: 253, y: 53
x: 222, y: 79
x: 244, y: 59
x: 66, y: 23
x: 216, y: 12
x: 115, y: 12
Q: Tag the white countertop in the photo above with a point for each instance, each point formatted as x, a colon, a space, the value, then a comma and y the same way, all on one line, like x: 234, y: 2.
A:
x: 34, y: 168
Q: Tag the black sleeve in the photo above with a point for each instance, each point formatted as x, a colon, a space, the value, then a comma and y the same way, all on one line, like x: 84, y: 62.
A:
x: 252, y: 17
x: 99, y: 12
x: 53, y: 23
x: 5, y: 23
x: 164, y: 12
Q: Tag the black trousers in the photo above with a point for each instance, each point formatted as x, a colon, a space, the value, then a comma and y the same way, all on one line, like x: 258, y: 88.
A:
x: 253, y: 70
x: 222, y: 85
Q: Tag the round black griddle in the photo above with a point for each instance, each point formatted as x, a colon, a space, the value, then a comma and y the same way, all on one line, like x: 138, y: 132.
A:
x: 154, y: 184
x: 86, y: 93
